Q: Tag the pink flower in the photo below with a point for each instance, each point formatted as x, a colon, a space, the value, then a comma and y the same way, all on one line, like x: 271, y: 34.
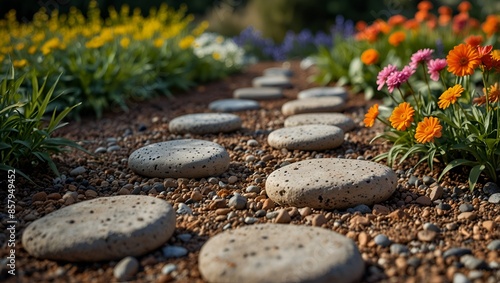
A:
x: 384, y: 74
x: 396, y: 79
x: 435, y: 67
x: 421, y: 56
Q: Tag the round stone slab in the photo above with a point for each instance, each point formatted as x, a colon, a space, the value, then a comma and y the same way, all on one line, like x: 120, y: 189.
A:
x: 233, y: 105
x: 313, y: 105
x: 276, y: 71
x: 323, y: 91
x: 258, y: 93
x: 205, y: 123
x: 280, y: 253
x: 106, y: 228
x: 333, y: 119
x: 331, y: 183
x: 271, y: 81
x: 188, y: 158
x: 307, y: 137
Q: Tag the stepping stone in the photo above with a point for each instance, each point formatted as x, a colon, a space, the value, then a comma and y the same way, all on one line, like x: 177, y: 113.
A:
x: 233, y: 105
x: 280, y: 253
x: 272, y: 81
x: 331, y: 183
x: 333, y: 119
x: 313, y: 105
x: 275, y: 71
x: 188, y: 158
x: 258, y: 93
x: 322, y: 92
x: 307, y: 137
x: 106, y: 228
x: 205, y: 123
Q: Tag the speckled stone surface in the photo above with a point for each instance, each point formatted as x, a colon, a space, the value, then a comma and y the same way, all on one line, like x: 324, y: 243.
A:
x: 106, y: 228
x: 272, y: 81
x: 188, y: 158
x: 307, y: 137
x: 323, y: 91
x: 205, y: 123
x: 280, y: 253
x: 331, y: 183
x: 258, y: 93
x: 313, y: 105
x: 333, y: 119
x: 233, y: 105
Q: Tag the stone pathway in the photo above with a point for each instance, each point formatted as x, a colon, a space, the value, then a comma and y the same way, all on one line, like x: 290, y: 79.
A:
x: 123, y: 226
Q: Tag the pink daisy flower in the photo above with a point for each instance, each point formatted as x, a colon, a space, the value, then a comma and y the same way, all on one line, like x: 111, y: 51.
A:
x: 396, y: 79
x: 421, y: 56
x: 435, y: 67
x: 384, y: 74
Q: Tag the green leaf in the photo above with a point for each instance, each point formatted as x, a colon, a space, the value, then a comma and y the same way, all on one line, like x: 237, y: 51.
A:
x: 474, y: 174
x: 455, y: 163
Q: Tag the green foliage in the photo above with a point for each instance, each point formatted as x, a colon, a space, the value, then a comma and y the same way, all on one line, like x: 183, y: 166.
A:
x: 25, y: 137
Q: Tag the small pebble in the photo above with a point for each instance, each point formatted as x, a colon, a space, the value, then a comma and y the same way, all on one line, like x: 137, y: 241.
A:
x: 100, y: 150
x: 168, y: 268
x: 426, y: 235
x: 272, y: 214
x: 250, y: 220
x: 252, y: 142
x: 363, y: 208
x: 412, y: 180
x: 382, y: 240
x: 126, y: 269
x: 397, y: 249
x: 466, y: 207
x: 40, y: 196
x: 428, y: 180
x: 283, y: 216
x: 494, y: 198
x: 182, y: 208
x: 494, y: 245
x: 174, y: 251
x: 424, y: 200
x: 78, y: 171
x: 253, y: 189
x: 113, y: 148
x: 260, y: 213
x: 431, y: 227
x: 443, y: 206
x: 491, y: 188
x: 232, y: 179
x: 456, y: 252
x: 184, y: 237
x: 238, y: 201
x: 460, y: 278
x: 471, y: 262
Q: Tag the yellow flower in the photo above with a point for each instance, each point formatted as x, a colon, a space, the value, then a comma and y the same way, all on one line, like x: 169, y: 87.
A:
x: 402, y: 116
x: 32, y: 50
x: 19, y: 46
x: 186, y: 42
x: 450, y: 96
x: 49, y: 45
x: 216, y: 55
x: 200, y: 28
x: 428, y: 129
x: 158, y: 42
x: 124, y: 42
x: 371, y: 115
x: 20, y: 63
x: 495, y: 54
x: 95, y: 42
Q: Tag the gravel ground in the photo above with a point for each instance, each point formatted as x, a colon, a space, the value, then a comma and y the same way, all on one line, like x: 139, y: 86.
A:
x: 419, y: 224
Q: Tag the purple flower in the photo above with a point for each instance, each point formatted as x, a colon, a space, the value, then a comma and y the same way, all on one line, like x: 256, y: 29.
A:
x: 435, y: 67
x: 384, y: 74
x: 397, y: 78
x: 421, y: 56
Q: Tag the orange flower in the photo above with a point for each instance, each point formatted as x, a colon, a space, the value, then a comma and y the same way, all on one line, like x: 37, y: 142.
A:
x: 382, y: 26
x: 424, y: 6
x: 361, y: 25
x: 421, y: 15
x: 462, y: 60
x: 411, y: 24
x: 474, y: 40
x: 491, y: 25
x: 396, y: 20
x: 371, y: 115
x: 444, y: 10
x: 428, y: 129
x: 450, y: 96
x: 396, y: 38
x: 444, y: 19
x: 370, y: 56
x: 493, y: 95
x: 402, y: 116
x: 460, y: 22
x: 464, y: 6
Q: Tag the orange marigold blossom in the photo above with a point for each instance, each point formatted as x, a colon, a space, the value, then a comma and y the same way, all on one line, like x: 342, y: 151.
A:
x: 450, y: 96
x: 371, y: 115
x: 464, y: 6
x: 402, y: 116
x: 396, y: 20
x: 462, y: 60
x: 424, y: 5
x: 491, y: 25
x: 493, y: 95
x: 428, y: 129
x: 396, y: 38
x: 444, y: 10
x: 474, y: 40
x: 421, y: 15
x: 370, y: 56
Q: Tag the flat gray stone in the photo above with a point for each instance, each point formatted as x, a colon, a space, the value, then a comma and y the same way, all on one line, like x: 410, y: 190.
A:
x: 313, y: 105
x: 205, y: 123
x: 233, y: 105
x: 272, y: 81
x: 331, y: 183
x: 333, y: 119
x: 258, y: 93
x: 106, y: 228
x: 276, y: 71
x: 322, y: 92
x: 307, y: 137
x: 188, y: 158
x: 278, y: 253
